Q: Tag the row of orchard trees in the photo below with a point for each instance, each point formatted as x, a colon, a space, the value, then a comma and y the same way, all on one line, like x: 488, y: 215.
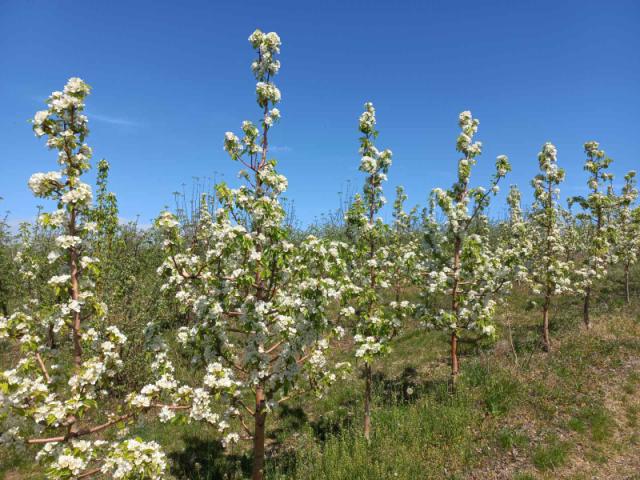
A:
x: 263, y: 309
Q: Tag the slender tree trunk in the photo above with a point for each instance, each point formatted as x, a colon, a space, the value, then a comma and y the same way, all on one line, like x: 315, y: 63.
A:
x: 367, y: 365
x: 51, y: 337
x: 260, y: 418
x: 367, y: 401
x: 260, y: 414
x: 455, y: 308
x: 455, y: 369
x: 513, y: 346
x: 75, y: 295
x: 626, y: 283
x: 546, y: 340
x: 585, y: 310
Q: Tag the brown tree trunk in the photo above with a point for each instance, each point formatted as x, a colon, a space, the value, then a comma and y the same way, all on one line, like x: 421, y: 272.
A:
x: 626, y: 283
x: 546, y: 340
x: 455, y: 309
x: 51, y: 337
x: 585, y: 310
x: 75, y: 295
x: 260, y: 414
x: 455, y: 369
x: 454, y: 356
x: 258, y: 436
x: 367, y: 401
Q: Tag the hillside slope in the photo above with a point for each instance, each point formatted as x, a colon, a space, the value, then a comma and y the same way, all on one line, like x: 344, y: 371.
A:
x: 516, y: 413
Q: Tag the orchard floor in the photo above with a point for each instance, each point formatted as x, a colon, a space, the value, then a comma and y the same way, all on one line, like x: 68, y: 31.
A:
x: 517, y: 413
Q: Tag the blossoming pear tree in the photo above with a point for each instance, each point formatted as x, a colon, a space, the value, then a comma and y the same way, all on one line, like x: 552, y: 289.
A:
x: 549, y: 269
x: 105, y: 211
x: 59, y: 397
x: 595, y: 227
x: 403, y: 246
x: 375, y: 318
x: 628, y: 229
x: 35, y: 267
x: 517, y: 246
x: 517, y: 225
x: 259, y: 301
x: 105, y: 215
x: 8, y: 269
x: 464, y: 265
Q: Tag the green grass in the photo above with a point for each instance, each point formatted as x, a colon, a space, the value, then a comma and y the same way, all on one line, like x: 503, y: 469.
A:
x: 524, y: 476
x: 595, y: 419
x: 433, y: 436
x: 499, y: 391
x: 509, y: 438
x: 550, y: 455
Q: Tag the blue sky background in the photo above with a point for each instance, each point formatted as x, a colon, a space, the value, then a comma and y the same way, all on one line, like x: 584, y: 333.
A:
x: 169, y: 78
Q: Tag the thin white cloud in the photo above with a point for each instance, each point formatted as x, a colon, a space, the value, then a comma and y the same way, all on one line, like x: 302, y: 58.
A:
x: 123, y: 122
x: 120, y: 121
x: 280, y: 149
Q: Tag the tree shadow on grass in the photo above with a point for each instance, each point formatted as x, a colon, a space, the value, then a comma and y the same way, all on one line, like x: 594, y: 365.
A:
x: 290, y: 419
x: 208, y: 460
x: 406, y: 388
x: 332, y: 423
x: 204, y: 459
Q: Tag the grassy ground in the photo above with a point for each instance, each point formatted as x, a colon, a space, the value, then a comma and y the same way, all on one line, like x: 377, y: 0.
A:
x: 517, y: 413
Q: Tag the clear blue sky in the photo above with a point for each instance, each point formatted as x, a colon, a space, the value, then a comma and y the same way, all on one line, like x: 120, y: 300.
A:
x: 169, y: 78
